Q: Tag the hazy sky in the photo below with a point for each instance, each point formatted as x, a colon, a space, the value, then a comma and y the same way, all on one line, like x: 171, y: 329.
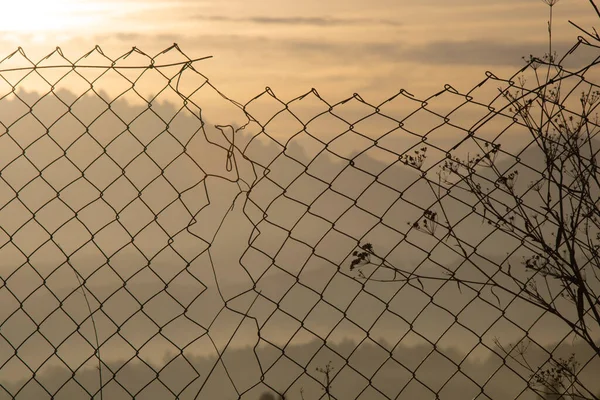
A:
x: 337, y: 46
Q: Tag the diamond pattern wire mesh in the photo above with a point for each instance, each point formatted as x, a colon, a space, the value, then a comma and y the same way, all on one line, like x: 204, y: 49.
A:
x: 227, y: 249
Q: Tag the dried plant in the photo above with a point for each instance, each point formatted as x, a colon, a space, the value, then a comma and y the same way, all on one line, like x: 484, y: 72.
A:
x: 560, y: 232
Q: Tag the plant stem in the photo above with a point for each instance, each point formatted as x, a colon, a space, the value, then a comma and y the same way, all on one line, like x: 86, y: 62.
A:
x: 97, y: 349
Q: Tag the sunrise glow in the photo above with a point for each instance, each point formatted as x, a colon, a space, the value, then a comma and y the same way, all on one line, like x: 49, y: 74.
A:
x: 39, y: 16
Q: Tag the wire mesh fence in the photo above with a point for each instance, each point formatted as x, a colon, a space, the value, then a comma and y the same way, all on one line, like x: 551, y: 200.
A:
x: 160, y: 240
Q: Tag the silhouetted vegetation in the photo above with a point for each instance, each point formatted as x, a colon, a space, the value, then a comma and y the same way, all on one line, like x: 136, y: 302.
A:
x: 555, y: 218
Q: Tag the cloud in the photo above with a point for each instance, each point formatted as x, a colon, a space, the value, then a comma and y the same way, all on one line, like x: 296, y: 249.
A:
x: 488, y: 54
x: 288, y: 48
x: 310, y: 21
x: 127, y: 36
x: 484, y: 52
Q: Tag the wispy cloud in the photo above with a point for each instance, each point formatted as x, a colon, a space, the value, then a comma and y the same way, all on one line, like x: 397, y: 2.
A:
x: 311, y: 21
x: 485, y: 52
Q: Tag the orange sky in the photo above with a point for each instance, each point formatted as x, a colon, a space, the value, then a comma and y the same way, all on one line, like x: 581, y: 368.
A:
x: 337, y: 46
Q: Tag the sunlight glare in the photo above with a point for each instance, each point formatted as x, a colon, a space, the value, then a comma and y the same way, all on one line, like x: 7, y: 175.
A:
x: 35, y: 16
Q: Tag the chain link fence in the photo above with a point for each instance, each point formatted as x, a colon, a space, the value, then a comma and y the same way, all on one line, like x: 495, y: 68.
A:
x: 160, y: 240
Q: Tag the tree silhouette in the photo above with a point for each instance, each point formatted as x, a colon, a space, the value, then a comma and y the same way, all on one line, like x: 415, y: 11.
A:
x: 267, y: 396
x: 556, y: 217
x: 270, y: 396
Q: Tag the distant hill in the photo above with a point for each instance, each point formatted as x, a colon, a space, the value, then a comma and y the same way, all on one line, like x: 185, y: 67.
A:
x: 414, y: 372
